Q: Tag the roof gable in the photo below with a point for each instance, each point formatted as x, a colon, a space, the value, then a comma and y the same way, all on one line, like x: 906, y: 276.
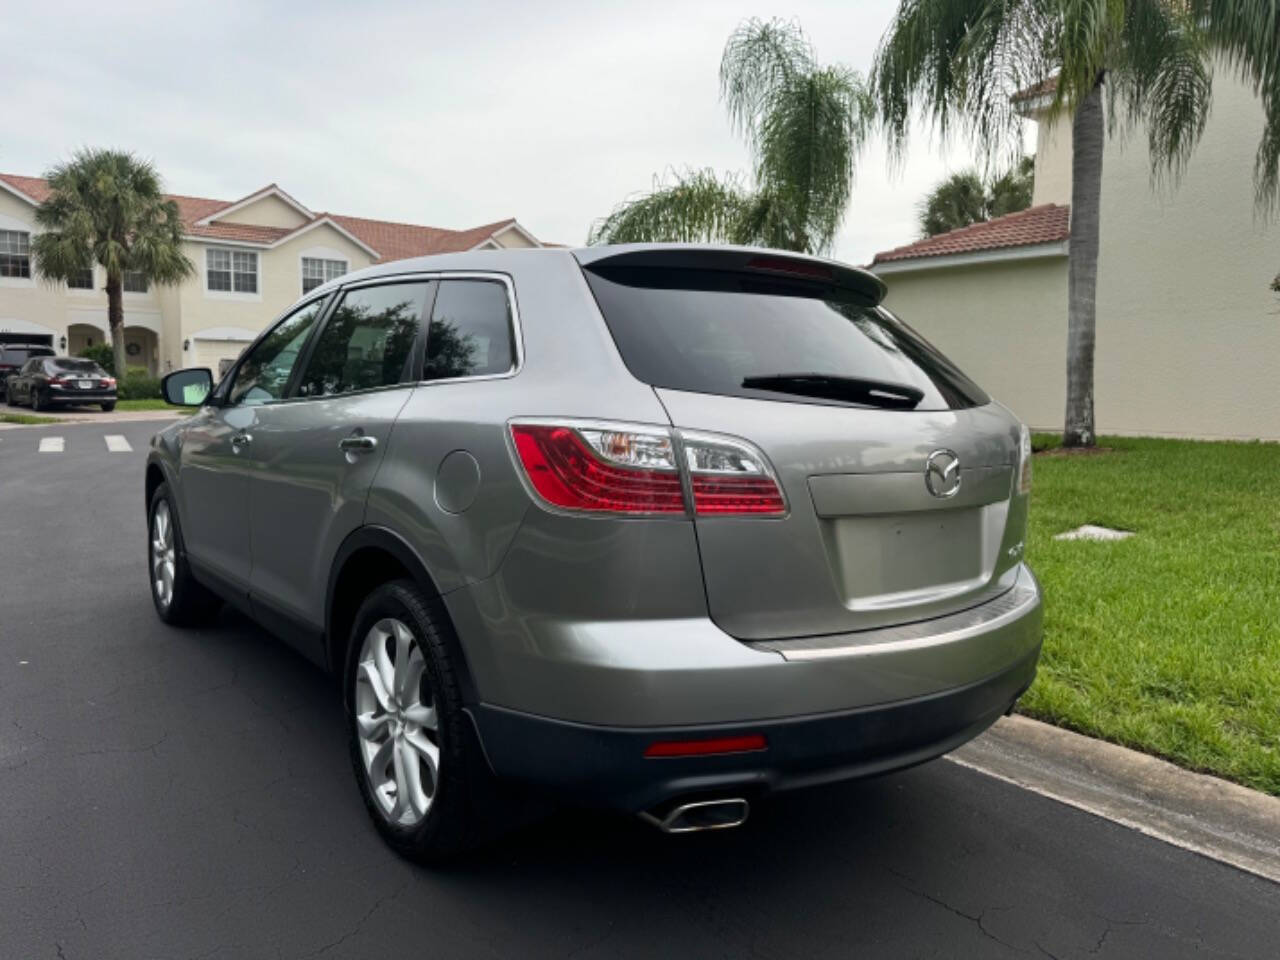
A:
x: 270, y: 202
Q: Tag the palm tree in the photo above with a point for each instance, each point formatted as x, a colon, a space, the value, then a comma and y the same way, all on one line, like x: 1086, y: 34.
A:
x: 961, y: 61
x: 963, y: 198
x: 107, y: 207
x: 804, y: 124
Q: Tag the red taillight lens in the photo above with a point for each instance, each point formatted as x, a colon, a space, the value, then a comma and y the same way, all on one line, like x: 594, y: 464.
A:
x: 56, y: 382
x: 108, y: 381
x: 701, y: 748
x: 567, y: 472
x: 730, y: 477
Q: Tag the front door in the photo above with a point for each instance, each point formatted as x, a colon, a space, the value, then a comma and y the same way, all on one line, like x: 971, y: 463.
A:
x: 316, y: 454
x: 216, y: 459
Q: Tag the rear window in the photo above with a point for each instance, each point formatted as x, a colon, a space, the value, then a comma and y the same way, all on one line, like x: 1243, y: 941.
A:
x: 20, y: 355
x: 740, y: 335
x: 72, y: 365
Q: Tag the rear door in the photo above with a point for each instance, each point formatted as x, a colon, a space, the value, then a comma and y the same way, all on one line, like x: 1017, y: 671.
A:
x: 849, y: 406
x: 316, y: 454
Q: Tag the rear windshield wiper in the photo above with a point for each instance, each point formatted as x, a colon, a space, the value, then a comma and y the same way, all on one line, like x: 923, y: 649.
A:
x: 874, y: 393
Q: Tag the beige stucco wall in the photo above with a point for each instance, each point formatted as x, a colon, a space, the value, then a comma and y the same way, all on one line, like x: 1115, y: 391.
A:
x: 280, y: 284
x: 270, y: 211
x: 1188, y: 331
x: 1053, y: 162
x: 1003, y: 324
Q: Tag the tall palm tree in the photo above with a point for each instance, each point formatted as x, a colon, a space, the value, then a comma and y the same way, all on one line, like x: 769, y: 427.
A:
x: 961, y: 60
x: 804, y: 124
x: 963, y: 198
x: 107, y: 207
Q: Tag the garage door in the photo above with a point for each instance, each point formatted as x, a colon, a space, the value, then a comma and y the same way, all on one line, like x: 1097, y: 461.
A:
x: 217, y: 355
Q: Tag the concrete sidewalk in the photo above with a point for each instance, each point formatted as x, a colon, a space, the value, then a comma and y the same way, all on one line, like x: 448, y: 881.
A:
x: 1212, y: 817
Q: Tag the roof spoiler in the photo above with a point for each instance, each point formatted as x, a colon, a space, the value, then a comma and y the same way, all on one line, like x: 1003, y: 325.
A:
x: 777, y: 263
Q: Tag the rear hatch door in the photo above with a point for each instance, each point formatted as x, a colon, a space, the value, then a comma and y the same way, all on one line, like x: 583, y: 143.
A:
x: 897, y: 470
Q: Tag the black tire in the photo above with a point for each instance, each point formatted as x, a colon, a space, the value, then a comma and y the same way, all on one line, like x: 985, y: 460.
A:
x: 108, y: 406
x: 37, y: 401
x: 191, y: 603
x: 461, y: 813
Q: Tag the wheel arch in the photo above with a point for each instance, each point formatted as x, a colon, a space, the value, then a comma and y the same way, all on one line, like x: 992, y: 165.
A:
x: 368, y: 557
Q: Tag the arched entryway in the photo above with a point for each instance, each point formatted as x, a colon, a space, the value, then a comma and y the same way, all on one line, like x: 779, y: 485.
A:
x: 81, y: 335
x: 142, y: 349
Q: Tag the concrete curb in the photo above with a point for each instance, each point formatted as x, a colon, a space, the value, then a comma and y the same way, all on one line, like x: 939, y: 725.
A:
x: 1212, y: 817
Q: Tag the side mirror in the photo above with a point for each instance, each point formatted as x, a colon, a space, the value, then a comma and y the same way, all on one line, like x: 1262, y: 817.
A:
x: 187, y: 388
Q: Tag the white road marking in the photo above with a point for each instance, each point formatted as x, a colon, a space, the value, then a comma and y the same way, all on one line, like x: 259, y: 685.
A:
x: 116, y: 443
x: 52, y: 444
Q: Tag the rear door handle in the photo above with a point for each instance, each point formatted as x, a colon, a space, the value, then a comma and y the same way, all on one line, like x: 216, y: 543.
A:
x: 357, y: 444
x: 241, y: 440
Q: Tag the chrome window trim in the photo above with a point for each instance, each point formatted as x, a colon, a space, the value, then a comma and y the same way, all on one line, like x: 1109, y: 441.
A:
x: 517, y: 327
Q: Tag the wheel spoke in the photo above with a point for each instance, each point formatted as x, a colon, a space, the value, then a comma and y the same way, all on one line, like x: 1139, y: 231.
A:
x: 407, y: 680
x: 429, y: 753
x: 414, y: 794
x: 386, y: 670
x: 404, y: 643
x: 369, y: 673
x: 371, y: 724
x: 399, y: 763
x: 422, y: 715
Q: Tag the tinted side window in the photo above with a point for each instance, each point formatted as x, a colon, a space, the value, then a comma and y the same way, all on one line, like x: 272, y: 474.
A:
x: 367, y: 341
x: 470, y: 333
x: 264, y: 374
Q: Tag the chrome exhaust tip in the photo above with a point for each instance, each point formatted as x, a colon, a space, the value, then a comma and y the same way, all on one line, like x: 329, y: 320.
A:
x: 700, y: 815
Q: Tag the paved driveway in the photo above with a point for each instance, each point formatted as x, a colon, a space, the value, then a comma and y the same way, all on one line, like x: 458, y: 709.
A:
x: 186, y: 794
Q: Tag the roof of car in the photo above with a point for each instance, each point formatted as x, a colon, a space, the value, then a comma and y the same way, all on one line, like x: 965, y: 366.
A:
x: 685, y: 255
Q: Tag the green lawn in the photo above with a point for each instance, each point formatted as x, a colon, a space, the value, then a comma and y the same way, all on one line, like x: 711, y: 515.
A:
x: 156, y: 404
x: 1169, y: 641
x: 26, y: 418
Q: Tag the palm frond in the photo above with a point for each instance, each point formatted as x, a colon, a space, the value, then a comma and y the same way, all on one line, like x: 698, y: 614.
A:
x: 692, y: 207
x: 760, y: 59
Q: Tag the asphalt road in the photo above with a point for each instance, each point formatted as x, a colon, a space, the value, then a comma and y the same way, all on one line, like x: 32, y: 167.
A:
x: 174, y: 794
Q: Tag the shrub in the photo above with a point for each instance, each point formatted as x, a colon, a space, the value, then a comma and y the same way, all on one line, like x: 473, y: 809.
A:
x: 102, y: 355
x: 138, y: 385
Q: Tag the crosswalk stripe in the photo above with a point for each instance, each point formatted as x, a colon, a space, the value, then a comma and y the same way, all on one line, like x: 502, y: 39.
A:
x: 52, y: 444
x: 116, y: 443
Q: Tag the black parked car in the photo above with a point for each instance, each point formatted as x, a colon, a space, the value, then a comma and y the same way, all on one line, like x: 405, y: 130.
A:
x: 14, y: 355
x: 51, y: 381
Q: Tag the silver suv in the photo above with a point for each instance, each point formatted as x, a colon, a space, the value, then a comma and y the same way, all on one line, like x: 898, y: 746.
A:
x: 661, y: 528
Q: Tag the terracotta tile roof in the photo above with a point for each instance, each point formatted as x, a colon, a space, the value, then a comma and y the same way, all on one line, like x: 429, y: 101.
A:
x: 1047, y: 223
x: 393, y: 241
x: 1041, y: 89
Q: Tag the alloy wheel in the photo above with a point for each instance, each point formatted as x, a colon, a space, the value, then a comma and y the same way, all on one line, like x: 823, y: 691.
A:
x: 164, y: 555
x: 397, y: 723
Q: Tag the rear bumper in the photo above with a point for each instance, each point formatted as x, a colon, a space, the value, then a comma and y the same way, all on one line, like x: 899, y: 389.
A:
x: 606, y: 766
x: 79, y: 396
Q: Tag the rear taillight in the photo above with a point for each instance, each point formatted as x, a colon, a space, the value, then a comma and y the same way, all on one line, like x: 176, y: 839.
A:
x: 599, y: 469
x: 56, y: 382
x: 108, y: 381
x: 635, y: 469
x: 730, y: 477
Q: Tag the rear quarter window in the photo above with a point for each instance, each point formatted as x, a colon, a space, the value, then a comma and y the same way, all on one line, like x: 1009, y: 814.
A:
x: 709, y: 331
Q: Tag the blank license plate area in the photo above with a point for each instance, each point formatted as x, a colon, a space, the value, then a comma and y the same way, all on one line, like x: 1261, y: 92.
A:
x: 85, y: 384
x: 889, y: 558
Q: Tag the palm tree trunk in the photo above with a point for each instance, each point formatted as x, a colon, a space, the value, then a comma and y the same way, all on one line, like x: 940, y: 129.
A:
x: 1087, y: 136
x: 115, y: 320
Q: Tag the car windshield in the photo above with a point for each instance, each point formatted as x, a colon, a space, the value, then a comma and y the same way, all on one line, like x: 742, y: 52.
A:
x: 80, y: 367
x: 737, y: 334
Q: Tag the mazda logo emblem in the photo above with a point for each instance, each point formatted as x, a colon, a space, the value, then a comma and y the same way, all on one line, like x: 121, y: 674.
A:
x: 942, y: 473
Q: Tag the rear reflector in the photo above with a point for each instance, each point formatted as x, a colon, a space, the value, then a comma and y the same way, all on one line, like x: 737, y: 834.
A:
x: 568, y: 472
x: 749, y: 743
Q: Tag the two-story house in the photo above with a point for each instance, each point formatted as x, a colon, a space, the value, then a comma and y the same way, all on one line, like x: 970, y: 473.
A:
x: 1188, y: 328
x: 253, y: 257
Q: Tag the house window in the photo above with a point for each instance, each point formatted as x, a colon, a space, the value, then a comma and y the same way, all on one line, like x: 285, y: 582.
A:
x: 15, y: 253
x: 81, y: 279
x: 231, y: 271
x: 316, y: 271
x: 135, y: 281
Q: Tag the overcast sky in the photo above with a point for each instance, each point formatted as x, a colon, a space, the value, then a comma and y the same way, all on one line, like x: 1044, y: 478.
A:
x: 445, y: 114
